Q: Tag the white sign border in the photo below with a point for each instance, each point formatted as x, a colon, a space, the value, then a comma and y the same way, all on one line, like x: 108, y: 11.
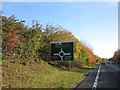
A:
x: 62, y: 41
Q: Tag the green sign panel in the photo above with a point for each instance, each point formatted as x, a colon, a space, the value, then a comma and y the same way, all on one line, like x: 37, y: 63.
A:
x: 96, y: 60
x: 62, y: 50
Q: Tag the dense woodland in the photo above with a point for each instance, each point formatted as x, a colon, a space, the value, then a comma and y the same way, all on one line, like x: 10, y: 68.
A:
x: 32, y: 44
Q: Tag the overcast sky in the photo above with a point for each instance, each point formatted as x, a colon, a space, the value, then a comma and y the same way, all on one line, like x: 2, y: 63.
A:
x: 96, y: 23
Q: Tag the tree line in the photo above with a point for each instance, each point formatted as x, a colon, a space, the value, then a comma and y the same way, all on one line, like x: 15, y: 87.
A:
x: 116, y: 57
x: 32, y: 44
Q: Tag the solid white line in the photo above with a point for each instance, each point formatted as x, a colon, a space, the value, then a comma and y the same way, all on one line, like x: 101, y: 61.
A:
x: 96, y: 79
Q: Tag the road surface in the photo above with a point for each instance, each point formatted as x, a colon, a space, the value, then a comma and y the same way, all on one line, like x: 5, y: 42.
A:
x: 103, y: 76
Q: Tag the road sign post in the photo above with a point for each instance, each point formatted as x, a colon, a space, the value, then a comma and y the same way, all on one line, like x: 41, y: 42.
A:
x: 69, y: 65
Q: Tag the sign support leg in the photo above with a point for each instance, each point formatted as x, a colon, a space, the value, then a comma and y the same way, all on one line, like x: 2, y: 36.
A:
x: 70, y: 65
x: 55, y: 63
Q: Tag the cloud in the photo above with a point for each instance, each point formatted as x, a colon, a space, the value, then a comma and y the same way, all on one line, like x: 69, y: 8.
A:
x: 104, y: 49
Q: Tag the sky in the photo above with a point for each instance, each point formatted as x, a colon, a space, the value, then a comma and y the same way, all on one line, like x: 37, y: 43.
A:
x: 95, y: 23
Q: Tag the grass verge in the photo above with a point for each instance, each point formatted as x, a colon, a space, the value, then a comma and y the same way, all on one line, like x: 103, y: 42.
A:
x: 36, y: 75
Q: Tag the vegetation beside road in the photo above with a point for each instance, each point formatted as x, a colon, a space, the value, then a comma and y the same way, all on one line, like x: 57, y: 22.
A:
x: 26, y: 56
x: 29, y: 44
x: 116, y: 57
x: 38, y: 75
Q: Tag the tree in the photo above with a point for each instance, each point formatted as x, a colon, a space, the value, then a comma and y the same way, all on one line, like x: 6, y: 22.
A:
x: 116, y: 57
x: 10, y: 28
x: 28, y: 50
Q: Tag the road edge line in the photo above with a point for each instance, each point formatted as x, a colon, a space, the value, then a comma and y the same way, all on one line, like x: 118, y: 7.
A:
x: 96, y: 79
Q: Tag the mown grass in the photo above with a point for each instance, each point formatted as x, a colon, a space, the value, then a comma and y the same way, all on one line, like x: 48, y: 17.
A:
x: 36, y: 75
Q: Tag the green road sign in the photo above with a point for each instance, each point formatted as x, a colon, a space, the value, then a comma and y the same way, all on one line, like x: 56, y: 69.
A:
x: 62, y: 50
x: 96, y: 60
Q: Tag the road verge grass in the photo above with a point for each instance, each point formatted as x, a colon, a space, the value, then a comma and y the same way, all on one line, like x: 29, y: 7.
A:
x: 36, y: 75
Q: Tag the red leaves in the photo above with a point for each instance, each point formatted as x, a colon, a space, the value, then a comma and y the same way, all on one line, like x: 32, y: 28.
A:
x: 11, y: 40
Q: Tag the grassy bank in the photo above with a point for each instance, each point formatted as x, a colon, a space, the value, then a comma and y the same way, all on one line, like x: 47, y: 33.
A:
x: 36, y: 75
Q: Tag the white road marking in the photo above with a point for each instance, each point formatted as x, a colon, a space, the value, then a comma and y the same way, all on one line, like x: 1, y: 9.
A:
x: 96, y: 79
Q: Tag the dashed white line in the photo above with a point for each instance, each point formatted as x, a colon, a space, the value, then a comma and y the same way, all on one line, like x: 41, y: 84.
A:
x: 96, y: 79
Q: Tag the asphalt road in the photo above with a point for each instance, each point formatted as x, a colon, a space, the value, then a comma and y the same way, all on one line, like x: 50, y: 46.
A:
x: 103, y: 76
